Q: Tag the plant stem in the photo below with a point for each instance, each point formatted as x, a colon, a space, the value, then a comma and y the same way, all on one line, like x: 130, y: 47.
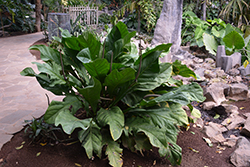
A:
x: 2, y: 22
x: 140, y: 54
x: 65, y: 78
x: 111, y: 62
x: 103, y: 49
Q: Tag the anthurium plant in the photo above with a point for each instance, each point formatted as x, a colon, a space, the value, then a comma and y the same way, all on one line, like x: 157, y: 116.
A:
x: 130, y: 101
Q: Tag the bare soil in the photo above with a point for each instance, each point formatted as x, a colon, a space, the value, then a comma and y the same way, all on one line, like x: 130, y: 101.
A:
x: 62, y: 155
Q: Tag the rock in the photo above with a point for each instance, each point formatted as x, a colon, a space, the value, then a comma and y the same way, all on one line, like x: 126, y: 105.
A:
x: 215, y: 93
x: 208, y: 105
x: 238, y: 92
x: 220, y: 73
x: 233, y: 72
x: 246, y: 115
x: 245, y: 71
x: 199, y: 123
x: 214, y: 132
x: 168, y: 26
x: 233, y: 121
x: 209, y: 60
x: 230, y: 142
x: 218, y: 138
x: 198, y: 60
x: 238, y: 79
x: 209, y: 74
x: 246, y: 129
x: 241, y: 156
x: 200, y: 72
x: 229, y: 108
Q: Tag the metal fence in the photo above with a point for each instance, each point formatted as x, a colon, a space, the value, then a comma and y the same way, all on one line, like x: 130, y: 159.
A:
x: 89, y: 15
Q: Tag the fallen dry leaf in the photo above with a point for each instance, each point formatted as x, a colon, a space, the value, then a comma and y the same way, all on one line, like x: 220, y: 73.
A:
x: 39, y: 153
x: 43, y: 144
x: 20, y: 147
x: 193, y: 150
x: 208, y: 141
x: 218, y: 152
x: 76, y: 164
x: 154, y: 163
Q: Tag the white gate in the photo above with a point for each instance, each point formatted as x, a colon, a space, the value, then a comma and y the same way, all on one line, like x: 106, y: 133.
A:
x: 89, y: 15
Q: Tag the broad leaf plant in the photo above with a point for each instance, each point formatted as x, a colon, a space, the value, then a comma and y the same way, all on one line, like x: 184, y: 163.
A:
x: 129, y: 100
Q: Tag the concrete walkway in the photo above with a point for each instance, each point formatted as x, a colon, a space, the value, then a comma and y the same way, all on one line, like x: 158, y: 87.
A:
x: 21, y: 98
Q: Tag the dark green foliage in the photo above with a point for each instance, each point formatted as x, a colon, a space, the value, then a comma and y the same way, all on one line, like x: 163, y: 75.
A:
x: 128, y: 99
x: 15, y: 15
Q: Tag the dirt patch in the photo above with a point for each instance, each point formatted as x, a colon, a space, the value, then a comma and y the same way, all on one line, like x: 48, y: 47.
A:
x: 243, y: 105
x: 37, y: 53
x: 72, y: 155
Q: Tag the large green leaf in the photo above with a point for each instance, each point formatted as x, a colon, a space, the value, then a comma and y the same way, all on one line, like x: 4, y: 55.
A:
x: 72, y: 43
x: 69, y: 122
x: 84, y: 56
x: 133, y: 99
x: 50, y: 85
x: 114, y: 118
x: 156, y: 135
x: 70, y: 103
x: 192, y: 91
x: 172, y: 153
x: 98, y: 68
x: 46, y: 82
x: 218, y: 33
x: 163, y: 115
x: 112, y: 37
x: 161, y: 48
x: 199, y: 32
x: 91, y: 140
x: 28, y: 72
x: 53, y: 70
x: 210, y: 43
x: 89, y: 40
x: 47, y: 53
x: 70, y: 60
x: 234, y: 40
x: 182, y: 95
x: 116, y: 78
x: 182, y: 70
x: 91, y: 93
x: 152, y: 73
x: 113, y: 151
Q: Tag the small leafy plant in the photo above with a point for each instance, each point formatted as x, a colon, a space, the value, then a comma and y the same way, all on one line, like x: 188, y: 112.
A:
x: 127, y: 99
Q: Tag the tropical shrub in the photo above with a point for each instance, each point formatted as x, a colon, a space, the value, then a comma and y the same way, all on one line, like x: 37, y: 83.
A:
x: 16, y: 16
x: 127, y: 99
x: 212, y: 33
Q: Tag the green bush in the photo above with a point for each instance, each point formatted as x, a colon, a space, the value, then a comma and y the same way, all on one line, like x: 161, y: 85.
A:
x: 16, y: 16
x: 128, y: 100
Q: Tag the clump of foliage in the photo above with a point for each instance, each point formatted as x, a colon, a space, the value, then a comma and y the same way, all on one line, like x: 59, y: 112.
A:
x: 212, y: 33
x: 147, y: 12
x: 127, y: 99
x: 16, y: 16
x: 38, y: 130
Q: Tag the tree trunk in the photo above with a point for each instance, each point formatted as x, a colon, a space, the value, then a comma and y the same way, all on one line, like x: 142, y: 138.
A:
x: 204, y: 10
x: 38, y: 15
x: 197, y: 6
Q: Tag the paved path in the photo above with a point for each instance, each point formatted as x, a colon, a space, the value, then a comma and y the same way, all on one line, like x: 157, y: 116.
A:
x: 21, y: 98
